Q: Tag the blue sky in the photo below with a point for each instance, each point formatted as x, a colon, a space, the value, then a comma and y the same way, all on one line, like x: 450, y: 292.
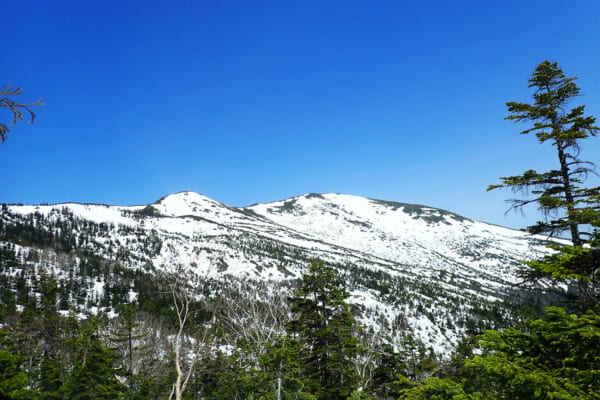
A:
x: 256, y: 101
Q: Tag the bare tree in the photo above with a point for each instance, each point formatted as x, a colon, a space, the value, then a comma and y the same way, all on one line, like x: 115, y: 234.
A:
x: 183, y: 300
x: 371, y: 350
x: 258, y: 321
x: 261, y: 322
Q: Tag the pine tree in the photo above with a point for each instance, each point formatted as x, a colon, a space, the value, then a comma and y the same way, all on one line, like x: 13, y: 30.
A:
x: 281, y: 371
x: 438, y: 389
x: 324, y: 326
x: 94, y: 376
x: 41, y: 325
x: 13, y: 379
x: 50, y: 380
x: 558, y: 191
x: 126, y: 337
x: 557, y: 357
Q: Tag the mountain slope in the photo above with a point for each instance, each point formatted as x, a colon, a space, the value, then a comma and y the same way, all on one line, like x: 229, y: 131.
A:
x: 414, y: 236
x: 411, y: 269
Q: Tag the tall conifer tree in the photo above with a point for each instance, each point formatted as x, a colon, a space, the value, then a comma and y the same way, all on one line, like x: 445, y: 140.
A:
x: 94, y: 376
x: 324, y: 326
x: 559, y: 192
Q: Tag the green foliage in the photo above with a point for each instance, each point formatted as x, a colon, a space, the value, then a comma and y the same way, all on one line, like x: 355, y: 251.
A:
x: 125, y: 337
x: 356, y: 395
x: 388, y: 364
x: 94, y: 376
x: 281, y: 369
x: 223, y: 377
x: 418, y: 361
x: 557, y: 357
x: 50, y: 379
x: 13, y: 380
x: 575, y: 264
x: 436, y: 389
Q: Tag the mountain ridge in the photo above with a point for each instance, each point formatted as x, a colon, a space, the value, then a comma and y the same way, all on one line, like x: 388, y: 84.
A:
x: 307, y: 195
x: 435, y: 270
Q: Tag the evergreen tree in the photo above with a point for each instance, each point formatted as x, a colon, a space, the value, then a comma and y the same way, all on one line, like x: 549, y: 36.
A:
x: 557, y: 357
x: 388, y: 364
x: 557, y: 190
x: 222, y: 377
x: 126, y: 337
x: 560, y: 193
x: 94, y: 376
x: 50, y: 379
x: 437, y: 389
x: 281, y: 374
x: 419, y: 362
x: 324, y: 326
x: 13, y: 379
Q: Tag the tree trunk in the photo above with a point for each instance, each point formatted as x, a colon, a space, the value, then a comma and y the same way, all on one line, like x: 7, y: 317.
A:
x: 278, y: 389
x: 564, y: 169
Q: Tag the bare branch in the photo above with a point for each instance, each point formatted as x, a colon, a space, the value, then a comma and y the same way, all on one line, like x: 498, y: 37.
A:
x: 182, y: 300
x: 19, y: 110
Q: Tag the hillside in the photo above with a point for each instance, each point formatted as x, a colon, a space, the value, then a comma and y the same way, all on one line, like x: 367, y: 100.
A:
x: 411, y: 269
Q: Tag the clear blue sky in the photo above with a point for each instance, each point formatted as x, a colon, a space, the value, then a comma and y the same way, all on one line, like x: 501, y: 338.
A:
x: 256, y: 101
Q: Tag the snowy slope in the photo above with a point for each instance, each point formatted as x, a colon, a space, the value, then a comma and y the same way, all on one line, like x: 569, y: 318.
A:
x: 409, y: 267
x: 410, y: 235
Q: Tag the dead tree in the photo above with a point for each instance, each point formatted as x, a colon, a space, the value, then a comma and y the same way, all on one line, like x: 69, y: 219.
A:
x: 183, y: 299
x: 256, y: 320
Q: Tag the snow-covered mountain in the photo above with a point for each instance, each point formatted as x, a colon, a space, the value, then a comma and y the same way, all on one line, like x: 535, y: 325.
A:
x: 409, y: 268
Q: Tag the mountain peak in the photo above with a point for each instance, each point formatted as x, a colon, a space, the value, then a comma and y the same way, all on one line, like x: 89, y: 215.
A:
x: 333, y: 203
x: 185, y: 203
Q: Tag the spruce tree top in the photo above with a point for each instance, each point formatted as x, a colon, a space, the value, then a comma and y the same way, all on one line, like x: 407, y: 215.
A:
x: 548, y: 114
